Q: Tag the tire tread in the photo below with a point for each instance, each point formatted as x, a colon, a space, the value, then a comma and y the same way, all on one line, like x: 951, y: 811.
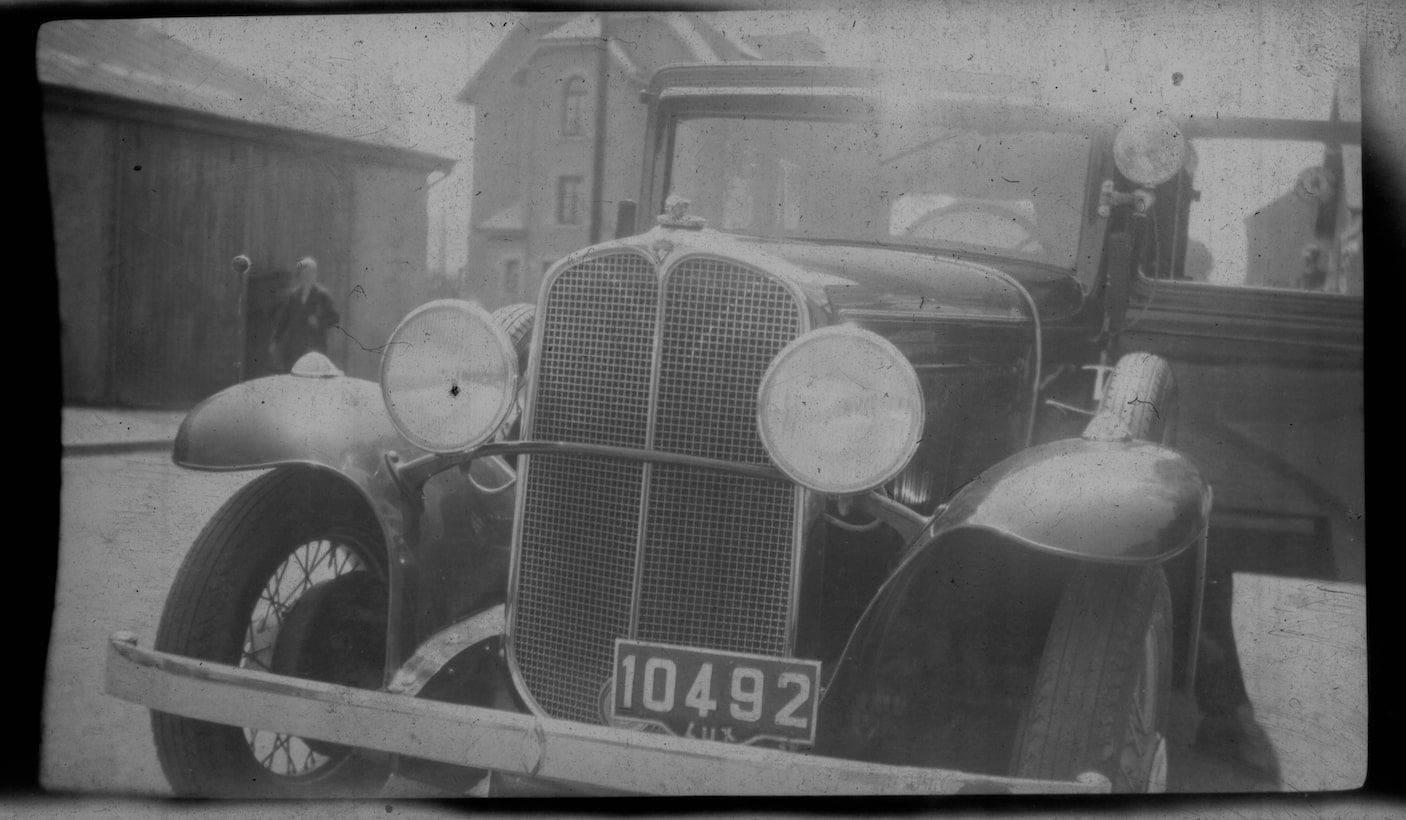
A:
x: 1074, y: 722
x: 1142, y: 395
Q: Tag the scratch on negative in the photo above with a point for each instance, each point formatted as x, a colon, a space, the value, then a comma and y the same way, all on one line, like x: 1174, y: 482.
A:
x: 1136, y: 400
x: 364, y: 347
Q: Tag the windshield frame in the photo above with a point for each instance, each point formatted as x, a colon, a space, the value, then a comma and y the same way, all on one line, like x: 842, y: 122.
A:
x: 668, y: 109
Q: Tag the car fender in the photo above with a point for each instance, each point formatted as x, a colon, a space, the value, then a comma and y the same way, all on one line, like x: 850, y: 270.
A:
x: 1125, y: 502
x: 1121, y: 502
x: 332, y: 421
x: 338, y: 425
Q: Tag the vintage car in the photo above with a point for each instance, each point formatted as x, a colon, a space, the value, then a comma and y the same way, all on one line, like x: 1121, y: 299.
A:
x: 851, y: 473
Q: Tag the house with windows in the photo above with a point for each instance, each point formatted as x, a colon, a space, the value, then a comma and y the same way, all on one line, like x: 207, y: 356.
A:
x: 557, y: 127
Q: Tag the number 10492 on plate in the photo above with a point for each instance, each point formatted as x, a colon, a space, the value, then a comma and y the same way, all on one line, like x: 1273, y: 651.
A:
x: 727, y: 696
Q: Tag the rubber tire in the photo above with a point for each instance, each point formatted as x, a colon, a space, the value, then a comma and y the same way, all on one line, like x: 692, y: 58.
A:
x: 516, y: 320
x: 1078, y: 713
x: 1081, y: 716
x: 208, y: 610
x: 1142, y: 395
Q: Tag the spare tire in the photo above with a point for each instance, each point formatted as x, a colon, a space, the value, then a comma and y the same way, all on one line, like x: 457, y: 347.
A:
x: 516, y: 320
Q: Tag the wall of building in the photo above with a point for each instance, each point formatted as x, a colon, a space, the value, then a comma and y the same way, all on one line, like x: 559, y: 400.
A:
x: 81, y: 190
x: 150, y: 206
x: 386, y: 276
x: 556, y: 156
x: 499, y: 172
x: 521, y: 155
x: 625, y: 123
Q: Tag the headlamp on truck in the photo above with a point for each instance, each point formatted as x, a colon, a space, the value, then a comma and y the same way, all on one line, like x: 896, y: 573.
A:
x: 840, y: 410
x: 448, y: 376
x: 1149, y: 150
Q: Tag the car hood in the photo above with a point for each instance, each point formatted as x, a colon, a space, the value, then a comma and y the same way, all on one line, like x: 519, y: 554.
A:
x: 872, y: 280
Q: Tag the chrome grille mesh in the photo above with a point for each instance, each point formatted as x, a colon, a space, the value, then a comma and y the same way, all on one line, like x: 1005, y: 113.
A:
x: 580, y: 519
x: 716, y: 565
x: 593, y: 374
x: 575, y: 578
x: 718, y: 549
x: 717, y: 561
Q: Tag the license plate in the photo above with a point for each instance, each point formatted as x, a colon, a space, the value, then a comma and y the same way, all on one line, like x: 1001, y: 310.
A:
x: 727, y: 696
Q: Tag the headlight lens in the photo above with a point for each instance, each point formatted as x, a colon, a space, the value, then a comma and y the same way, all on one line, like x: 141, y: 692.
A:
x: 448, y: 375
x: 840, y: 410
x: 1149, y: 150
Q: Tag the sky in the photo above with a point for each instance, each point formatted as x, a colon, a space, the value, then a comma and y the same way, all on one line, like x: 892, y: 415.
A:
x: 1273, y: 58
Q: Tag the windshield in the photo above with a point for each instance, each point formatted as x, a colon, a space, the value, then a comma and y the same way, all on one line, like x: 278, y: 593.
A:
x: 1011, y: 192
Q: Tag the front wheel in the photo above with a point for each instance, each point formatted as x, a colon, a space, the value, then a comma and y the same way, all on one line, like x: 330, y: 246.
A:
x: 1100, y: 698
x: 289, y: 578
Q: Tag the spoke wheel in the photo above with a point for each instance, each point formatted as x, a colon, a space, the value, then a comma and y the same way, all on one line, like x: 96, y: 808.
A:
x: 312, y: 567
x: 287, y: 578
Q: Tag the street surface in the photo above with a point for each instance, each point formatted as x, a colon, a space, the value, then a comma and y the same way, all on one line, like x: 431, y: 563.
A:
x: 128, y: 518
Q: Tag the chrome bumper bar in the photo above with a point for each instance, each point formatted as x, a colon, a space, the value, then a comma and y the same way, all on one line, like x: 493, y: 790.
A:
x: 520, y: 744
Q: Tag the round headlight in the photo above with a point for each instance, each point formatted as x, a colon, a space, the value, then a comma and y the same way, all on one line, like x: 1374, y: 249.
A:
x: 1149, y: 150
x: 448, y: 375
x: 840, y: 410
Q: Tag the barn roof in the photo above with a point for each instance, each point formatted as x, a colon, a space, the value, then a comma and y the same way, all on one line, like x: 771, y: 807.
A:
x: 133, y: 60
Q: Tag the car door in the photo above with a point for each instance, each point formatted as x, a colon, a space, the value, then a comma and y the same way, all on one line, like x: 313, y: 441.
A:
x: 1251, y: 284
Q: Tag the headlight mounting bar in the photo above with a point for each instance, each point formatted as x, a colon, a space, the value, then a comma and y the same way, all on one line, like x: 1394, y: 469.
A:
x: 412, y: 473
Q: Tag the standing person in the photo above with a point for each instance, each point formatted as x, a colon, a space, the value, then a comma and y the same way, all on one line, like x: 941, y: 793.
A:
x: 303, y: 320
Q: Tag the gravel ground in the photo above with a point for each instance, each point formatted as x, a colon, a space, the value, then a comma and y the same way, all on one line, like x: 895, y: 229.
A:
x: 125, y: 523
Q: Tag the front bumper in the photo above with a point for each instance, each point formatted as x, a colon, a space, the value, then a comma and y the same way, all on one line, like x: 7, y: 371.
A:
x: 559, y: 750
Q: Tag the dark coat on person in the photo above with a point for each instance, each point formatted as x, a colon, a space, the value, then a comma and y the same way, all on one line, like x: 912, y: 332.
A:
x: 293, y: 334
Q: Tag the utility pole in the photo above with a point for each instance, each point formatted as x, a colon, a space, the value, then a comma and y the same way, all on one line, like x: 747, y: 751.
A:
x: 598, y: 161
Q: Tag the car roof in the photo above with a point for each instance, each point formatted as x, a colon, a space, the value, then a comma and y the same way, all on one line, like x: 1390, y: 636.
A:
x: 957, y: 92
x: 752, y: 76
x: 755, y: 87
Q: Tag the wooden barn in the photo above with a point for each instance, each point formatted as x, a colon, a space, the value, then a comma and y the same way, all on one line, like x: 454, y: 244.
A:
x: 164, y: 164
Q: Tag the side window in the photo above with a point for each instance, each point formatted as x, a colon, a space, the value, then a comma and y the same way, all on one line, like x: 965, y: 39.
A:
x: 1278, y: 214
x: 569, y: 200
x: 573, y: 107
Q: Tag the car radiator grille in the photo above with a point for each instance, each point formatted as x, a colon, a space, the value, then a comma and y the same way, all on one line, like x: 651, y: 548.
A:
x: 714, y: 551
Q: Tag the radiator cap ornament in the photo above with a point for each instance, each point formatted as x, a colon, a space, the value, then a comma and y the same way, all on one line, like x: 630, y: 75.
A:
x: 676, y: 214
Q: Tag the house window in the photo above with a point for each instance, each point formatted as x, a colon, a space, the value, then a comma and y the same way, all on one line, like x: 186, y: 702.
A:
x: 569, y: 200
x: 573, y: 107
x: 512, y: 276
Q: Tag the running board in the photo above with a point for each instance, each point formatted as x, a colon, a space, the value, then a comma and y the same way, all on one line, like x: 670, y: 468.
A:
x: 520, y: 744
